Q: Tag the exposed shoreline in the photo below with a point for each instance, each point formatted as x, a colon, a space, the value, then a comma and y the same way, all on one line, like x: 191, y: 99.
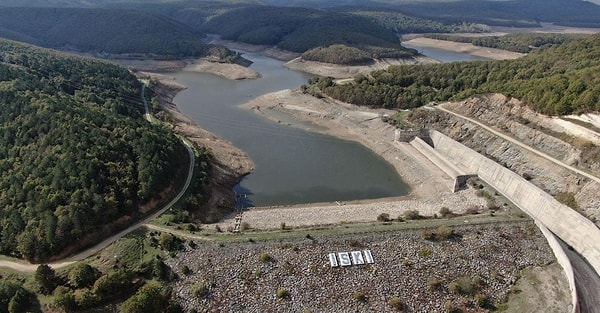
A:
x: 429, y: 185
x: 488, y: 53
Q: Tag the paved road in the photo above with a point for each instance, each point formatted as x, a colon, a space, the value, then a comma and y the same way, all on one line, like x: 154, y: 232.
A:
x: 522, y: 145
x: 587, y: 280
x: 23, y: 266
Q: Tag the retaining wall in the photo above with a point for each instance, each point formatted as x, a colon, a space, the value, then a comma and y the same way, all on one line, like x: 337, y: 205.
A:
x: 563, y: 260
x: 572, y: 227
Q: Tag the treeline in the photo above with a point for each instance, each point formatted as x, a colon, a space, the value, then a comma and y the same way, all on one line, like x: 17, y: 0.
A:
x: 76, y: 157
x: 512, y: 13
x: 522, y: 42
x: 299, y: 29
x: 405, y: 24
x: 341, y: 54
x: 111, y: 31
x: 560, y: 80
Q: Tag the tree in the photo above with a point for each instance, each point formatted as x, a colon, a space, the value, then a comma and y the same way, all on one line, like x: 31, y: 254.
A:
x: 151, y: 298
x: 83, y: 275
x: 45, y: 276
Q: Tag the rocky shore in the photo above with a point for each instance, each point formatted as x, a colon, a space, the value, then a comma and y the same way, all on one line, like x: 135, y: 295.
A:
x: 409, y: 272
x: 248, y: 276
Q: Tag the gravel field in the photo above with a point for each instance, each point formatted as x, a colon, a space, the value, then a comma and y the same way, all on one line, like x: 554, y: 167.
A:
x: 246, y: 276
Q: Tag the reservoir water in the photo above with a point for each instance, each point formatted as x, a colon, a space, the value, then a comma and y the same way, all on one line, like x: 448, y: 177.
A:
x: 292, y: 166
x: 445, y: 55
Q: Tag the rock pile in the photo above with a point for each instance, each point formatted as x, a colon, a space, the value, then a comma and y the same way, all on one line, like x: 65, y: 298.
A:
x: 294, y: 275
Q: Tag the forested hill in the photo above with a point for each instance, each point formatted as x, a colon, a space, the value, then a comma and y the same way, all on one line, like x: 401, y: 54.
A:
x: 110, y: 31
x: 560, y: 80
x: 300, y: 29
x: 516, y: 13
x: 76, y: 154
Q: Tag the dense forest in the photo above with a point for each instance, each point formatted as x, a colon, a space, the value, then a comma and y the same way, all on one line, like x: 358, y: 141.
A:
x: 76, y: 156
x: 341, y: 54
x: 299, y: 29
x: 111, y: 31
x: 398, y: 21
x: 513, y: 13
x: 559, y: 80
x: 523, y: 42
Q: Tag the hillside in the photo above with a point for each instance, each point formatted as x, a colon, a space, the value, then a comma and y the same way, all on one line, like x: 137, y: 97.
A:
x: 516, y: 13
x: 110, y: 31
x: 557, y: 81
x: 519, y: 42
x: 77, y: 159
x: 298, y: 29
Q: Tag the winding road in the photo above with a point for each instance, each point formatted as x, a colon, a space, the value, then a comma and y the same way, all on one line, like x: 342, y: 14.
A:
x: 23, y: 266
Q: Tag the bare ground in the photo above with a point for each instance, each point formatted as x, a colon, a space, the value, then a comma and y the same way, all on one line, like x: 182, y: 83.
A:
x: 489, y: 53
x: 346, y: 71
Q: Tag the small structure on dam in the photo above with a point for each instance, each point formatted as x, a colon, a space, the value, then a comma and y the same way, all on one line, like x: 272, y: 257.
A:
x: 421, y: 141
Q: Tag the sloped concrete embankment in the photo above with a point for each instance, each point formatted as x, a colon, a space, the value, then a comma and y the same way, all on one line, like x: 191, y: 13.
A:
x: 566, y: 223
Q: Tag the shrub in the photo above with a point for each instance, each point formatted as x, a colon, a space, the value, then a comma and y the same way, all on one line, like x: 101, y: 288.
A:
x: 169, y: 242
x: 567, y: 198
x: 472, y: 210
x: 202, y: 289
x: 425, y: 252
x: 360, y: 296
x: 85, y: 299
x: 282, y: 293
x: 151, y: 298
x: 185, y: 270
x: 482, y: 300
x: 434, y: 284
x: 451, y: 307
x: 64, y: 298
x: 383, y: 217
x: 444, y: 233
x: 244, y: 226
x: 83, y: 275
x: 454, y: 287
x: 466, y: 286
x: 282, y: 226
x: 265, y: 257
x: 412, y: 215
x: 445, y: 212
x: 396, y: 303
x: 427, y: 234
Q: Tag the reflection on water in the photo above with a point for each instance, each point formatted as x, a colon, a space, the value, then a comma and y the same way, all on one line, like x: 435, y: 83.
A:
x: 292, y: 166
x: 445, y: 55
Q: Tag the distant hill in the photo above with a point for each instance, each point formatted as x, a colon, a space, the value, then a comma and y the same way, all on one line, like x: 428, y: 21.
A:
x: 559, y: 80
x: 101, y: 30
x: 507, y: 13
x: 301, y: 29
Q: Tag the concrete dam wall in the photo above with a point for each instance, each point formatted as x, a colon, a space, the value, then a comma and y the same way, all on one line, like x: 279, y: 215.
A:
x: 573, y: 228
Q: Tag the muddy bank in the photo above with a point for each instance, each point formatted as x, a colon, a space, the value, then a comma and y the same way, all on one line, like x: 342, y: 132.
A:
x: 347, y: 71
x: 230, y: 164
x: 202, y: 65
x: 488, y: 53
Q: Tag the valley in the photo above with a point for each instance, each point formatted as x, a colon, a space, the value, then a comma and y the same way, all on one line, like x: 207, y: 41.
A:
x: 491, y: 160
